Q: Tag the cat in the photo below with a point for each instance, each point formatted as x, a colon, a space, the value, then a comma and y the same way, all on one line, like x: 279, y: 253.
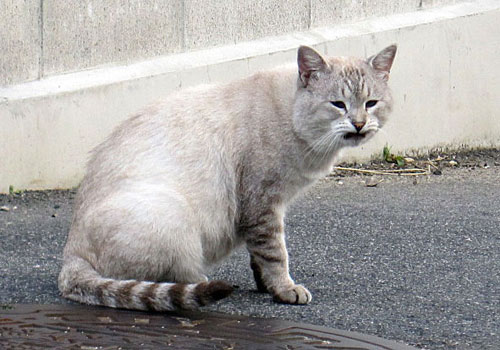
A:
x: 179, y: 185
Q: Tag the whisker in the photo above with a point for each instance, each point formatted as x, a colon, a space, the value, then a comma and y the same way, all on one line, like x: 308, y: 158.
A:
x: 325, y: 141
x: 315, y: 144
x: 318, y: 146
x: 332, y: 146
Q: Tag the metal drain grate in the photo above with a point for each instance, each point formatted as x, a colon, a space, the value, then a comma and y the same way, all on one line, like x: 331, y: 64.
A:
x: 89, y: 328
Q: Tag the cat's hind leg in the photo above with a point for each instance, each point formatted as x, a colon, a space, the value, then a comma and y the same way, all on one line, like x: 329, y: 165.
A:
x: 138, y: 249
x: 146, y: 233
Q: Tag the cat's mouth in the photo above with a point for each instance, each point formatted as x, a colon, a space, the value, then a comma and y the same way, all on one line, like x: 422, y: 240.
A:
x: 354, y: 136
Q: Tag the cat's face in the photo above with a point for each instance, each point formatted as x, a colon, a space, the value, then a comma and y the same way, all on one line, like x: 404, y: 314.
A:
x: 341, y: 101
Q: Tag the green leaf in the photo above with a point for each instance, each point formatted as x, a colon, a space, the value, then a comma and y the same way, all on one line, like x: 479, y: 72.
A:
x: 387, y: 154
x: 400, y: 161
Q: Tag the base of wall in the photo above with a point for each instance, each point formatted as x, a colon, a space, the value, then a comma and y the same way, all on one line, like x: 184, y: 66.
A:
x: 444, y: 80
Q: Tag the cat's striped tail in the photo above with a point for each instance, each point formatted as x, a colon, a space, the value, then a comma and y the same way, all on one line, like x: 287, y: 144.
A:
x: 78, y: 281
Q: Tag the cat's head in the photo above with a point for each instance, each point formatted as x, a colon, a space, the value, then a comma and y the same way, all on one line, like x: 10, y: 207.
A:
x: 341, y: 101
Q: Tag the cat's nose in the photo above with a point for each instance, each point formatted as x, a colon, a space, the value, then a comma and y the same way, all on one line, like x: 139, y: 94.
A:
x: 358, y: 125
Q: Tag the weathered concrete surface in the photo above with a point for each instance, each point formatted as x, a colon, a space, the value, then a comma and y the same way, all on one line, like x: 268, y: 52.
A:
x: 20, y: 41
x: 42, y: 38
x: 330, y: 12
x: 444, y: 82
x: 82, y: 34
x: 210, y: 23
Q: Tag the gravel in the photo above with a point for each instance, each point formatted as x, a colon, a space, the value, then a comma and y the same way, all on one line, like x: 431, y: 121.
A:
x: 412, y: 261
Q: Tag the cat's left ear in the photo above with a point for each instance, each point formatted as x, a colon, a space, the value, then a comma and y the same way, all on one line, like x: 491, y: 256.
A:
x: 309, y: 62
x: 382, y: 62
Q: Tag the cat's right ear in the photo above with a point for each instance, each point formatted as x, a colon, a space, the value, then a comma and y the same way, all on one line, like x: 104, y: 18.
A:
x: 309, y: 62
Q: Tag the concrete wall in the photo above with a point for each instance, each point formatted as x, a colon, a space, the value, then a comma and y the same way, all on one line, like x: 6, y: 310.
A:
x: 445, y: 84
x: 20, y: 41
x: 47, y: 37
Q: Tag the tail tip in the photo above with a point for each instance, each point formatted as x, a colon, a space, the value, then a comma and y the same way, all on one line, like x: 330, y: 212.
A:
x: 220, y: 289
x: 210, y: 292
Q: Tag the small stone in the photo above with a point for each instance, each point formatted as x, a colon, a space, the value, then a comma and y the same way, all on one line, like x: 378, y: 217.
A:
x: 372, y: 182
x: 54, y: 215
x: 4, y: 208
x: 409, y: 160
x: 437, y: 172
x: 453, y: 163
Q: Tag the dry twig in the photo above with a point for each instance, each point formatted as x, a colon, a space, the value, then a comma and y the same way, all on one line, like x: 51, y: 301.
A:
x: 397, y: 172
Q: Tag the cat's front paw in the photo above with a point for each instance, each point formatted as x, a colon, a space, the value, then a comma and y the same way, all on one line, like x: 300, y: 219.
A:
x: 297, y: 294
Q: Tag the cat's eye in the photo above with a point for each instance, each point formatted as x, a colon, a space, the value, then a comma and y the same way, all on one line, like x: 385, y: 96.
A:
x: 339, y: 104
x: 371, y: 103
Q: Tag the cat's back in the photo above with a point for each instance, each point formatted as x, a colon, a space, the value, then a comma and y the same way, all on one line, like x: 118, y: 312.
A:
x: 192, y: 132
x: 231, y: 102
x: 196, y: 114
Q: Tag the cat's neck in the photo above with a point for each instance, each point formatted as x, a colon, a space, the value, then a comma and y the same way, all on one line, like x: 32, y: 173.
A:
x: 264, y: 107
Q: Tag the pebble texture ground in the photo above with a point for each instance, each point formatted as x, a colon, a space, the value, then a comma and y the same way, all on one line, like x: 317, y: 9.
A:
x: 411, y: 259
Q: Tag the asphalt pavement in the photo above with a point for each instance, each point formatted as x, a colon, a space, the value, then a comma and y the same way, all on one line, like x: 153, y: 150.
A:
x: 412, y: 261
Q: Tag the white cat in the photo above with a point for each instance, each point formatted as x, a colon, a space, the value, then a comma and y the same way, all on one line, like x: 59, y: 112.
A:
x: 178, y: 186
